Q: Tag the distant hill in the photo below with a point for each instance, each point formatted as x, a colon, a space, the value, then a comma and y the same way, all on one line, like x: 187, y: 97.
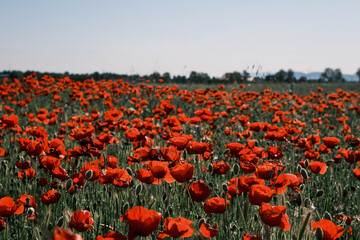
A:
x: 317, y: 75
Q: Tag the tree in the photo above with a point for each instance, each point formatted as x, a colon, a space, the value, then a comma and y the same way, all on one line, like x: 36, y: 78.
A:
x: 331, y: 75
x: 358, y: 74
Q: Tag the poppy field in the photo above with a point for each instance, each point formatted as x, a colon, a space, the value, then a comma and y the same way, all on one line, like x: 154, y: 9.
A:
x: 111, y: 159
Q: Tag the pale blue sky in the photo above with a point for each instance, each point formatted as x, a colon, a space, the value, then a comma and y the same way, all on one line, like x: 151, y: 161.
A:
x: 179, y: 36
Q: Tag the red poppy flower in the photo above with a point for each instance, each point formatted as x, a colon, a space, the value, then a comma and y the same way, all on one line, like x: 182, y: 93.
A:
x: 112, y: 236
x: 209, y: 231
x: 10, y: 121
x: 176, y: 227
x: 65, y: 234
x: 331, y: 142
x: 81, y: 221
x: 179, y: 142
x: 329, y: 229
x: 8, y: 207
x: 220, y: 168
x: 216, y: 205
x: 27, y: 201
x: 145, y: 176
x: 141, y: 221
x: 199, y: 191
x: 259, y: 194
x: 274, y: 216
x: 50, y: 197
x: 182, y: 172
x: 318, y: 167
x: 245, y: 182
x: 357, y: 173
x: 158, y: 168
x: 2, y: 224
x: 249, y: 236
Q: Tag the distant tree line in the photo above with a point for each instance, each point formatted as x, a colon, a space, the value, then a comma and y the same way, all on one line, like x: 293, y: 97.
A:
x: 282, y: 76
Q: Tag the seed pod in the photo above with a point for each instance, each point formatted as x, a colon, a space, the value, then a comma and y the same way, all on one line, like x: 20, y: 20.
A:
x: 27, y: 204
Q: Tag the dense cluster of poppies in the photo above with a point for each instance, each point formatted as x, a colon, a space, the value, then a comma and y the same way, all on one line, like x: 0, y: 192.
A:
x: 116, y: 160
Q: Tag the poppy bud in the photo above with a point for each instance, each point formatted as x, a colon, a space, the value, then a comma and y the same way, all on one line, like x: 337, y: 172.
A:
x: 319, y: 234
x: 89, y: 174
x: 319, y: 193
x: 327, y: 215
x: 60, y: 222
x: 307, y: 202
x: 201, y: 221
x: 69, y: 183
x: 225, y: 188
x: 138, y: 189
x: 304, y: 174
x: 125, y: 206
x: 210, y: 167
x: 233, y: 226
x: 298, y: 168
x: 299, y: 200
x: 27, y: 204
x: 130, y: 172
x: 236, y: 169
x: 306, y: 163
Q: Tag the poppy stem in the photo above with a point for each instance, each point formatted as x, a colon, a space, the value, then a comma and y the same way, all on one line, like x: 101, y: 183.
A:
x: 267, y: 232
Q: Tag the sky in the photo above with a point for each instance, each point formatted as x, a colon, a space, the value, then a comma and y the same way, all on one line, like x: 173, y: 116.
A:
x: 215, y: 37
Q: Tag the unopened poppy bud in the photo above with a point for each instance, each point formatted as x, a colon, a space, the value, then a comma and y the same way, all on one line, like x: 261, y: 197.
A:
x: 225, y: 187
x: 130, y: 172
x: 184, y: 154
x: 89, y: 174
x: 138, y: 189
x: 307, y: 202
x: 232, y: 226
x: 125, y: 206
x: 319, y: 193
x: 271, y: 172
x: 60, y: 222
x: 306, y: 163
x: 201, y: 221
x: 319, y: 234
x: 304, y: 174
x: 210, y: 167
x: 298, y: 168
x: 27, y: 204
x: 299, y: 200
x: 327, y: 215
x: 328, y: 163
x: 236, y: 169
x: 69, y: 183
